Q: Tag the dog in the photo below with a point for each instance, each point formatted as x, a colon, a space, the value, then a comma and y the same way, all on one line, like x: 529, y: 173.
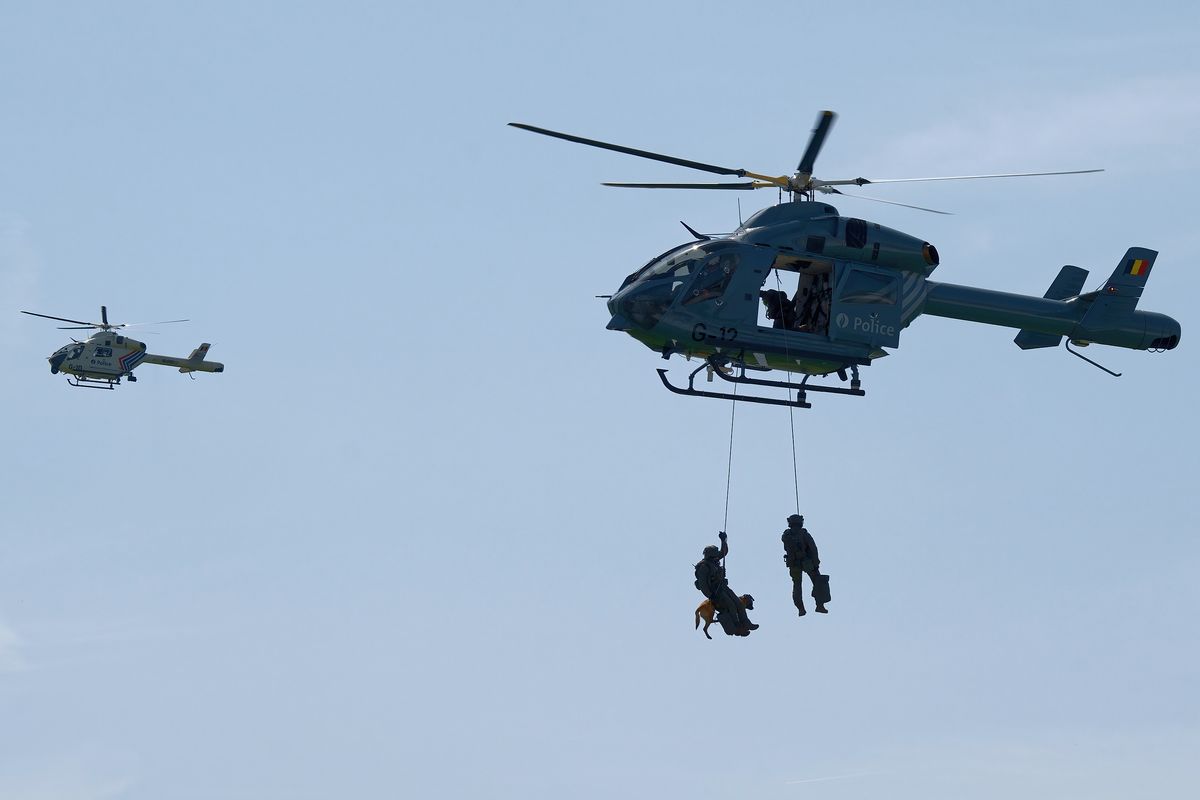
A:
x: 709, y: 612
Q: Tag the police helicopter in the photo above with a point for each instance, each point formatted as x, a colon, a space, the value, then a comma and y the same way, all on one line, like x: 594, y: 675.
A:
x: 858, y: 284
x: 108, y: 355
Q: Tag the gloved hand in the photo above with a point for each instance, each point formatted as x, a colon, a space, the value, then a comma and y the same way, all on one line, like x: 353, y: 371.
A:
x: 721, y: 535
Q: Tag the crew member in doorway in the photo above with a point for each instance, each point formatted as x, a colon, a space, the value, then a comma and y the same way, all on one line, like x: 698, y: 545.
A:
x: 712, y: 583
x: 780, y: 310
x: 800, y: 555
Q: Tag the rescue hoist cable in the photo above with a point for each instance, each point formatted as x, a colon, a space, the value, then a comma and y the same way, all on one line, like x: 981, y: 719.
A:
x: 729, y: 465
x: 791, y: 413
x: 795, y: 468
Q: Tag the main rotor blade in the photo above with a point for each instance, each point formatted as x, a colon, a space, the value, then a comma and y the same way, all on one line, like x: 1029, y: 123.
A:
x: 140, y: 324
x: 77, y: 327
x: 864, y: 181
x: 62, y: 319
x: 824, y: 123
x: 747, y: 185
x: 890, y: 202
x: 682, y: 162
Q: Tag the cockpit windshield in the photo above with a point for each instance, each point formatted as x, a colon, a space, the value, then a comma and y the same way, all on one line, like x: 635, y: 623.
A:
x: 649, y: 292
x: 681, y: 263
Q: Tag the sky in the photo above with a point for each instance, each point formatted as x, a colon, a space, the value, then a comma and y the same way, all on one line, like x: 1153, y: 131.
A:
x: 431, y: 533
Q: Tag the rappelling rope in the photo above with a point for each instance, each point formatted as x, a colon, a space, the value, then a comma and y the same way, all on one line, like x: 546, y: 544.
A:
x: 791, y: 412
x: 795, y: 467
x: 729, y: 465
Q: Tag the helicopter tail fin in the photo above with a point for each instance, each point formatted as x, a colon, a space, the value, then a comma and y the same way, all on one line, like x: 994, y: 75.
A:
x: 1132, y: 272
x: 1068, y: 283
x: 196, y: 361
x: 199, y: 353
x: 1121, y: 292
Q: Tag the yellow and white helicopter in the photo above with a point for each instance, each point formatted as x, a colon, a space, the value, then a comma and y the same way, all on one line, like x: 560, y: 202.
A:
x: 107, y: 355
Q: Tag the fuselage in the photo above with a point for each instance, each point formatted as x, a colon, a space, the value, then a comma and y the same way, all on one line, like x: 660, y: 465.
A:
x: 103, y: 355
x: 858, y: 285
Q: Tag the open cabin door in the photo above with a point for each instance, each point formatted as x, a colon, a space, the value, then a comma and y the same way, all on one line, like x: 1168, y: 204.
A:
x: 865, y: 306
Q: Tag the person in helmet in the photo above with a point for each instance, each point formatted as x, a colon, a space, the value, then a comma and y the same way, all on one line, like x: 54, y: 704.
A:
x: 800, y: 555
x: 712, y: 583
x: 779, y: 308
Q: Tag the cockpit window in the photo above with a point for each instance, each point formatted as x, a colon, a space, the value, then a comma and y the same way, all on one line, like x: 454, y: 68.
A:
x: 653, y: 261
x: 696, y: 272
x: 680, y: 263
x: 676, y: 265
x: 715, y: 274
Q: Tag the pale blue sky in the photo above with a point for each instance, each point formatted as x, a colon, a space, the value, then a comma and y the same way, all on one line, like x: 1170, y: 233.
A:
x: 430, y: 534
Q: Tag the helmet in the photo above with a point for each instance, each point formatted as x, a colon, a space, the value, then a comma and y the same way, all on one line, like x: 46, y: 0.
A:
x: 795, y: 519
x: 711, y: 551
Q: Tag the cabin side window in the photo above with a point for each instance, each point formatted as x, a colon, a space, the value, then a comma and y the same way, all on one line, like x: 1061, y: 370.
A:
x: 868, y: 288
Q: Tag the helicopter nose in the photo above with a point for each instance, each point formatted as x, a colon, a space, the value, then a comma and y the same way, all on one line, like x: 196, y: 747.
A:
x: 618, y: 321
x: 639, y: 306
x: 56, y: 362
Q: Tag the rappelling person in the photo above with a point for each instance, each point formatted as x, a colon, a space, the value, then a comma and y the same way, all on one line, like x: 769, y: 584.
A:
x: 800, y: 555
x: 712, y: 583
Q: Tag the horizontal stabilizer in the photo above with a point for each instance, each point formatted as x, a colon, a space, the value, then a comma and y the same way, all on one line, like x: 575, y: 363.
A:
x: 1031, y: 340
x: 1067, y: 284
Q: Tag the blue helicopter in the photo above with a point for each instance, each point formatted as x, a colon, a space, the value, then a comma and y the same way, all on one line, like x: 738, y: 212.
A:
x: 858, y: 285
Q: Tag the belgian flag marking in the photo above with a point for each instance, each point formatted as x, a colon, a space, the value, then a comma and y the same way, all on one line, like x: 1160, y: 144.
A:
x: 1138, y: 266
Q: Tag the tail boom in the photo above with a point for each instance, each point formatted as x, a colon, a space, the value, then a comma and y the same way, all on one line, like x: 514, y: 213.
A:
x: 193, y: 363
x: 1106, y: 316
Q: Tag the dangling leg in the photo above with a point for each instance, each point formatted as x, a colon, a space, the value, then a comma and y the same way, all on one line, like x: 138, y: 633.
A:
x: 798, y: 590
x: 727, y: 614
x: 733, y: 617
x: 743, y: 618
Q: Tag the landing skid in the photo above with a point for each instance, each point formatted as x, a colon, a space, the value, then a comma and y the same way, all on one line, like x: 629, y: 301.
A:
x: 801, y: 388
x: 82, y: 382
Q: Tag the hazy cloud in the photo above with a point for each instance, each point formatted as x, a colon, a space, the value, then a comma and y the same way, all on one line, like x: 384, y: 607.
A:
x: 67, y: 779
x: 1106, y: 127
x: 10, y: 650
x: 19, y: 268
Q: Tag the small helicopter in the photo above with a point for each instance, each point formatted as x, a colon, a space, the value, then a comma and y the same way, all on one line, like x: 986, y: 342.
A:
x: 857, y: 285
x: 107, y: 356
